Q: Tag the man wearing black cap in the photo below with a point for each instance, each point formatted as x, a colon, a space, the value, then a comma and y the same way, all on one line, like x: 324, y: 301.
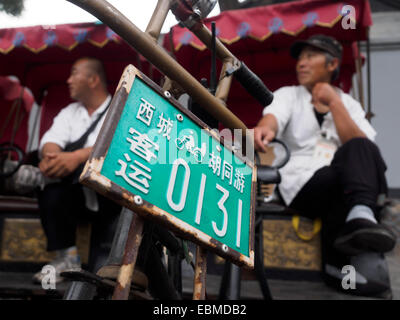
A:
x: 335, y: 172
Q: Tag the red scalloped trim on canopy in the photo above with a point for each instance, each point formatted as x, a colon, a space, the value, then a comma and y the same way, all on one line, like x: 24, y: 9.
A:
x: 67, y: 36
x: 291, y: 18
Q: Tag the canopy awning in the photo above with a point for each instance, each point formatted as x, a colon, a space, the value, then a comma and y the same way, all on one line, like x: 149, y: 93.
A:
x: 41, y: 58
x: 42, y: 55
x: 68, y: 36
x: 274, y: 22
x: 262, y: 36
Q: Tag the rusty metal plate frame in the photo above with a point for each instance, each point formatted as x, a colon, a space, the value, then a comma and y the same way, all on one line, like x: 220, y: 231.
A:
x: 92, y: 177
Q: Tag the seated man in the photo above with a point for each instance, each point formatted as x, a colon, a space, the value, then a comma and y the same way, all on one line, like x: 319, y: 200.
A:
x: 63, y: 150
x: 335, y: 172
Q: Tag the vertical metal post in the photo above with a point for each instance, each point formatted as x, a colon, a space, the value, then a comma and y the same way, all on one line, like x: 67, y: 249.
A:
x: 132, y: 245
x: 225, y: 82
x: 119, y: 241
x: 370, y: 114
x: 158, y: 18
x: 359, y: 76
x: 259, y: 262
x: 234, y: 282
x: 200, y: 271
x: 230, y: 283
x: 213, y: 73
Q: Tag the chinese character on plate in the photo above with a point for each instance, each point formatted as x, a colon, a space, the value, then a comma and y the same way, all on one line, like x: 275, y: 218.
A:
x: 215, y: 164
x: 239, y: 181
x: 227, y: 171
x: 145, y: 112
x: 165, y: 126
x: 138, y: 178
x: 142, y: 145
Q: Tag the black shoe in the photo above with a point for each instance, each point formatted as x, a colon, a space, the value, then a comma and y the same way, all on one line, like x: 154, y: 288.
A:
x: 362, y: 235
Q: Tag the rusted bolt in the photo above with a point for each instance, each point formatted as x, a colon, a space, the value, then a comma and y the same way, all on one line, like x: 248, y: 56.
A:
x: 167, y: 94
x: 138, y: 200
x: 179, y: 117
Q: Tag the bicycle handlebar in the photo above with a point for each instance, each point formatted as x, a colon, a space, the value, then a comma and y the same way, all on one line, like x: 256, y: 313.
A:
x: 253, y: 84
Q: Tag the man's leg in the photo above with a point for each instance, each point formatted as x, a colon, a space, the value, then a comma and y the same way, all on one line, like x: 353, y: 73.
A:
x: 61, y: 205
x: 322, y: 197
x: 361, y: 171
x: 58, y: 217
x: 333, y: 193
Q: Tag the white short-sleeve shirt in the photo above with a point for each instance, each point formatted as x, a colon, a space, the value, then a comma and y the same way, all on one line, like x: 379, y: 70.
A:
x: 68, y: 126
x: 71, y: 123
x: 299, y: 129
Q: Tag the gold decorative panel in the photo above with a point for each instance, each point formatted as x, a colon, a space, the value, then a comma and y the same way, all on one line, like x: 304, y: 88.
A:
x: 284, y: 249
x: 23, y: 240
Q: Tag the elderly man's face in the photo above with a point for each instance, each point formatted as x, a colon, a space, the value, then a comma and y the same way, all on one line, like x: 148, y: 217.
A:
x: 312, y: 68
x: 78, y: 81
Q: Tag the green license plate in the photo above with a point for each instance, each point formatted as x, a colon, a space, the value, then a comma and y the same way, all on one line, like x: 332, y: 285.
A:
x: 163, y: 155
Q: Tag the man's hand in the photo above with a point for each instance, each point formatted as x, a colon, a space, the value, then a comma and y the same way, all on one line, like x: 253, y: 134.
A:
x: 323, y: 95
x: 44, y: 164
x: 262, y: 136
x: 60, y: 164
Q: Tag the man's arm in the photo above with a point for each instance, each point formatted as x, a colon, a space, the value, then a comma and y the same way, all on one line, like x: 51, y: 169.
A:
x: 325, y: 94
x: 346, y: 128
x: 265, y: 132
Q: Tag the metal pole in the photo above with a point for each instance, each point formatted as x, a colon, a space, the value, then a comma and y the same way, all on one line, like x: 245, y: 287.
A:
x: 234, y: 282
x: 121, y: 291
x: 359, y: 76
x: 158, y: 18
x: 205, y: 36
x: 225, y: 82
x: 213, y: 73
x: 200, y: 271
x: 228, y: 59
x: 119, y: 241
x: 369, y: 113
x: 145, y: 45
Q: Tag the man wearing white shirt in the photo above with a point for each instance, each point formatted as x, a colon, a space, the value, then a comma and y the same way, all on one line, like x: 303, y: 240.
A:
x: 335, y: 172
x: 64, y: 201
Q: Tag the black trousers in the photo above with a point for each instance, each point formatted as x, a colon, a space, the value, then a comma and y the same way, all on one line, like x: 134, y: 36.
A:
x: 356, y: 176
x: 62, y: 207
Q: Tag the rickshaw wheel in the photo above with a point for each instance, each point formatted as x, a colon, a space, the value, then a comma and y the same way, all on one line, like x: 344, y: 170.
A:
x: 5, y: 149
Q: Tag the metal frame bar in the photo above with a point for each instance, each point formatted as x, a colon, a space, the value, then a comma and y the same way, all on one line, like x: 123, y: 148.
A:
x: 199, y: 282
x: 146, y: 46
x: 359, y: 76
x: 370, y: 114
x: 121, y: 291
x: 158, y: 18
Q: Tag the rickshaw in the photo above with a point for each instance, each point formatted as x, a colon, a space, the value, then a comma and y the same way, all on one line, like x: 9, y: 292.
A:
x: 260, y: 37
